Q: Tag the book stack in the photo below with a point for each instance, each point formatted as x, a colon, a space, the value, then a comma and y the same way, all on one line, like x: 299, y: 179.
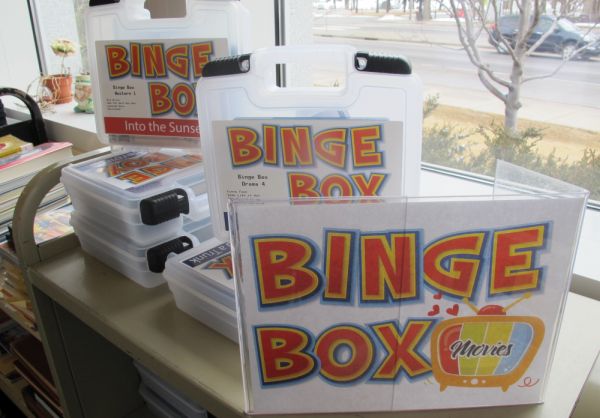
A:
x: 201, y: 280
x: 18, y: 167
x: 10, y: 331
x: 14, y: 298
x: 32, y: 365
x: 129, y: 209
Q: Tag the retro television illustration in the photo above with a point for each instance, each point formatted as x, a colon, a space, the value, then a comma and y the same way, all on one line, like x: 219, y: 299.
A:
x: 491, y: 349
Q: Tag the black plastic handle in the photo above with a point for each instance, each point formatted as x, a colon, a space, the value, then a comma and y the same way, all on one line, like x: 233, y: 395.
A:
x: 33, y: 130
x: 157, y: 256
x: 363, y: 61
x: 102, y: 2
x: 237, y: 64
x: 164, y: 206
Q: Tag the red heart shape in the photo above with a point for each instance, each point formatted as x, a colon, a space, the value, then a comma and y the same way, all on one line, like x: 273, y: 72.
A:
x: 453, y: 310
x: 434, y: 311
x: 438, y: 296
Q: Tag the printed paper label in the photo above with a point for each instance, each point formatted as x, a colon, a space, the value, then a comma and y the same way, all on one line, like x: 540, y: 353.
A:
x: 402, y: 305
x: 147, y: 87
x: 133, y: 170
x: 214, y: 264
x: 279, y: 158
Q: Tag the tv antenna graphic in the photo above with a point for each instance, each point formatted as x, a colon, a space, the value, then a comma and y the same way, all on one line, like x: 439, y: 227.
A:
x: 495, y: 309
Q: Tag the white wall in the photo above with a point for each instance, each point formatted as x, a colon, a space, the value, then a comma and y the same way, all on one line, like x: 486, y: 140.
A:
x: 262, y: 14
x: 18, y: 61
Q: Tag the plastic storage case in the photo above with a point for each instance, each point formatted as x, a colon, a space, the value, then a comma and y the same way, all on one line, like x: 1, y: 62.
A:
x: 142, y: 264
x: 158, y: 407
x: 166, y: 401
x: 119, y: 191
x: 128, y: 27
x: 238, y: 100
x: 138, y: 185
x: 128, y: 205
x: 201, y: 281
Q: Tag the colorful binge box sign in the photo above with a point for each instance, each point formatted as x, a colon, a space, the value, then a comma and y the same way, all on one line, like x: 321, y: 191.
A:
x: 147, y: 87
x: 400, y: 305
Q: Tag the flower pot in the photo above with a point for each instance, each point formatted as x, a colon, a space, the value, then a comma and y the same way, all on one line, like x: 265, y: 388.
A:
x: 59, y: 86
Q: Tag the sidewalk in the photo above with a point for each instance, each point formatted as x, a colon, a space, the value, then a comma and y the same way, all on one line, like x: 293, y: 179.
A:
x: 580, y: 117
x: 405, y: 30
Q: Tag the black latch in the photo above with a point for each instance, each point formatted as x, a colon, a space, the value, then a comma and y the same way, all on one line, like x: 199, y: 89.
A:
x: 163, y: 207
x: 102, y: 2
x: 363, y: 61
x: 157, y: 256
x: 237, y: 64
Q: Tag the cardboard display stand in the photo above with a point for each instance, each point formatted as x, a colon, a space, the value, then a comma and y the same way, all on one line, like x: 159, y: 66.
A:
x: 406, y: 303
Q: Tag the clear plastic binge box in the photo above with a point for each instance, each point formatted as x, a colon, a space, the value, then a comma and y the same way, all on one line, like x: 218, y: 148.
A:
x: 358, y: 135
x: 144, y: 73
x: 201, y: 280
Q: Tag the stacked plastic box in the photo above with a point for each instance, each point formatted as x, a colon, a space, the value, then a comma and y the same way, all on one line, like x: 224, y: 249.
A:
x: 131, y: 220
x: 201, y: 280
x: 130, y: 205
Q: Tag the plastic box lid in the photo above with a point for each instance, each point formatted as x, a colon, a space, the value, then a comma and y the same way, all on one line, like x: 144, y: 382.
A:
x: 140, y: 187
x: 207, y: 269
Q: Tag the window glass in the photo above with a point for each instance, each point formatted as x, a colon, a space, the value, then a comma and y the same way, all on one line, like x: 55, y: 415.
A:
x: 553, y: 125
x: 58, y: 19
x: 544, y: 25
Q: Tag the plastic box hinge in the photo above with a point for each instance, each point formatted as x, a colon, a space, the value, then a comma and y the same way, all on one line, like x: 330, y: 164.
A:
x: 363, y: 61
x: 164, y: 206
x: 157, y: 256
x: 237, y: 64
x: 102, y: 2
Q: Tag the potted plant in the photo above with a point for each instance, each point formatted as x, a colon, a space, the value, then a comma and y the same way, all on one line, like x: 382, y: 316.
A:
x: 60, y: 84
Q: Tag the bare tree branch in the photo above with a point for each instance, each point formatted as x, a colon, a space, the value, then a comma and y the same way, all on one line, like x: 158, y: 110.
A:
x: 542, y: 38
x: 535, y: 20
x: 505, y: 43
x: 519, y: 6
x: 558, y: 67
x: 467, y: 39
x: 492, y: 89
x: 518, y: 44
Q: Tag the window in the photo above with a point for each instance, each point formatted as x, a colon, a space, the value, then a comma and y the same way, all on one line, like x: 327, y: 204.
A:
x: 558, y: 116
x: 557, y: 128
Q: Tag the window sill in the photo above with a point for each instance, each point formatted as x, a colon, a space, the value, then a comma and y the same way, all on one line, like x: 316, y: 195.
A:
x: 62, y: 124
x: 80, y: 129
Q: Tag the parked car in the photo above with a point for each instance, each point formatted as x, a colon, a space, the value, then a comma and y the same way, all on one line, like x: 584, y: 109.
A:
x: 324, y: 4
x: 564, y: 39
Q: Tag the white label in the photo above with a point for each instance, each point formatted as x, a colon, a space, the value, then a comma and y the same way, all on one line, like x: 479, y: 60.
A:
x: 147, y: 87
x: 279, y: 158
